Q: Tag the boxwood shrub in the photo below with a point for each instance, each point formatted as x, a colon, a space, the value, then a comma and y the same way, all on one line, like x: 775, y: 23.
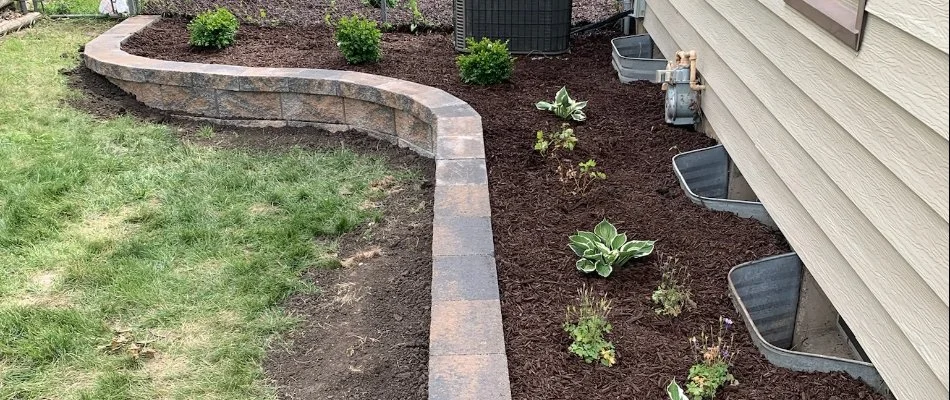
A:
x: 487, y: 62
x: 213, y: 28
x: 358, y: 39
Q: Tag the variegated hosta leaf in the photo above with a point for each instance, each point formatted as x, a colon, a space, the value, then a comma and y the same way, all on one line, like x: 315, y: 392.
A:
x: 602, y: 247
x: 603, y: 269
x: 589, y: 235
x: 592, y: 254
x: 612, y: 256
x: 578, y: 105
x: 578, y: 116
x: 675, y: 391
x: 585, y: 265
x: 578, y: 248
x: 618, y: 241
x: 562, y: 97
x: 543, y: 105
x: 605, y: 231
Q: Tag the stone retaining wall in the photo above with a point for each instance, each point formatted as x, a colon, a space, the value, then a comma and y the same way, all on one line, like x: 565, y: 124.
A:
x: 466, y: 344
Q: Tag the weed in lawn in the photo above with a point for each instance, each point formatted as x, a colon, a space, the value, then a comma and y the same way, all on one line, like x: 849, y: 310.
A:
x: 205, y: 132
x: 114, y: 223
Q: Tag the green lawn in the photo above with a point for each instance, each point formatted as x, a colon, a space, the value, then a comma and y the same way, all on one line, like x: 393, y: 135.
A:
x: 117, y: 230
x: 71, y: 6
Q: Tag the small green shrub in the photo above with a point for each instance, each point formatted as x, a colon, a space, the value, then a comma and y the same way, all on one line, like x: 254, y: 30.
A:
x: 604, y: 248
x: 358, y: 39
x: 564, y: 106
x: 213, y: 28
x: 587, y: 324
x: 487, y: 62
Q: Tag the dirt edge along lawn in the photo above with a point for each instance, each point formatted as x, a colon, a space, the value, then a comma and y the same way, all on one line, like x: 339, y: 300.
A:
x: 533, y: 214
x: 151, y: 261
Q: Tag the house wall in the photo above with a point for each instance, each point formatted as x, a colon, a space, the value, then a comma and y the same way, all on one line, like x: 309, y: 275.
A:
x: 848, y: 151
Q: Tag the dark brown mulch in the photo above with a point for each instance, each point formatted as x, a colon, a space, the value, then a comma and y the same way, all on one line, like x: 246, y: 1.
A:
x: 364, y: 333
x: 533, y: 215
x: 310, y: 12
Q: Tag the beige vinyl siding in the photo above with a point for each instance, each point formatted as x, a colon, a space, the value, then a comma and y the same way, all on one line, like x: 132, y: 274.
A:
x: 896, y: 63
x: 925, y: 19
x: 836, y: 197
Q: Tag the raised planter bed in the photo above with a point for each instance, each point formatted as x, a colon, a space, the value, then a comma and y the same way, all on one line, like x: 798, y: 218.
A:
x: 766, y: 293
x: 532, y: 214
x: 704, y: 176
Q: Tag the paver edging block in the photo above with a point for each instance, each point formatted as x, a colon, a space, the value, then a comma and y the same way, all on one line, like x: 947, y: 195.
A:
x: 429, y: 121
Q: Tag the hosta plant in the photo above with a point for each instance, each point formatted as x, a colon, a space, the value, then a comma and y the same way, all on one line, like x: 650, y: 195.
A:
x: 604, y: 249
x: 675, y: 391
x: 564, y: 106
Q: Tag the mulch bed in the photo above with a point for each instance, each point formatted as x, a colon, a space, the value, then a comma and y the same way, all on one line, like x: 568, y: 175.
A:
x: 364, y: 333
x: 533, y: 214
x: 438, y: 13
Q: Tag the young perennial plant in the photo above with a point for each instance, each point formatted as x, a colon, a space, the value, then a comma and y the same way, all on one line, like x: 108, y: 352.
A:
x: 548, y: 144
x: 587, y: 324
x: 213, y: 28
x: 711, y: 370
x: 604, y: 249
x: 564, y: 106
x: 673, y: 295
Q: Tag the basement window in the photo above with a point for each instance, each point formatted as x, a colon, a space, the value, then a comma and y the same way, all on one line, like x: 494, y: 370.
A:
x: 842, y: 18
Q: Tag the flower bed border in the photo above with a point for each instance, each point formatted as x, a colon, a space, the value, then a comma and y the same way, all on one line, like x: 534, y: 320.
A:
x: 466, y: 343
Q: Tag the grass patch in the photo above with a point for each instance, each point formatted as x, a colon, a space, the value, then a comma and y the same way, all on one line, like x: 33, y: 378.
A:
x: 58, y: 7
x: 114, y: 229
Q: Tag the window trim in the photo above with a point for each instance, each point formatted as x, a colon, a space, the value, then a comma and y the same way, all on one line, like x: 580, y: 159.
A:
x: 842, y: 22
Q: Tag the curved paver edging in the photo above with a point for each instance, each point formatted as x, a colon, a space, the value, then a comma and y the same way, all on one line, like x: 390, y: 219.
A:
x: 466, y: 343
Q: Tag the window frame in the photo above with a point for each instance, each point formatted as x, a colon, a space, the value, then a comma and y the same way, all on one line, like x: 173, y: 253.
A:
x: 840, y: 21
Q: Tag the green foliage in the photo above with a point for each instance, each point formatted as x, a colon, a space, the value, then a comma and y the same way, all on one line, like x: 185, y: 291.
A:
x: 581, y: 177
x: 564, y: 106
x: 548, y: 144
x: 711, y: 370
x: 58, y: 8
x: 358, y: 39
x: 675, y: 391
x: 376, y: 3
x: 587, y: 324
x: 213, y: 28
x: 487, y: 62
x: 117, y: 223
x: 604, y: 249
x: 673, y: 296
x: 418, y: 20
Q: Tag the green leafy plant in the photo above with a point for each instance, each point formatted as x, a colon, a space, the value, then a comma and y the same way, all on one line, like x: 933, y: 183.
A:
x: 358, y: 39
x: 418, y: 20
x: 376, y: 3
x: 675, y: 391
x: 587, y: 325
x: 549, y: 143
x: 213, y: 28
x: 58, y: 8
x: 582, y: 177
x: 673, y: 296
x: 487, y: 62
x: 604, y: 249
x: 711, y: 370
x: 564, y: 106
